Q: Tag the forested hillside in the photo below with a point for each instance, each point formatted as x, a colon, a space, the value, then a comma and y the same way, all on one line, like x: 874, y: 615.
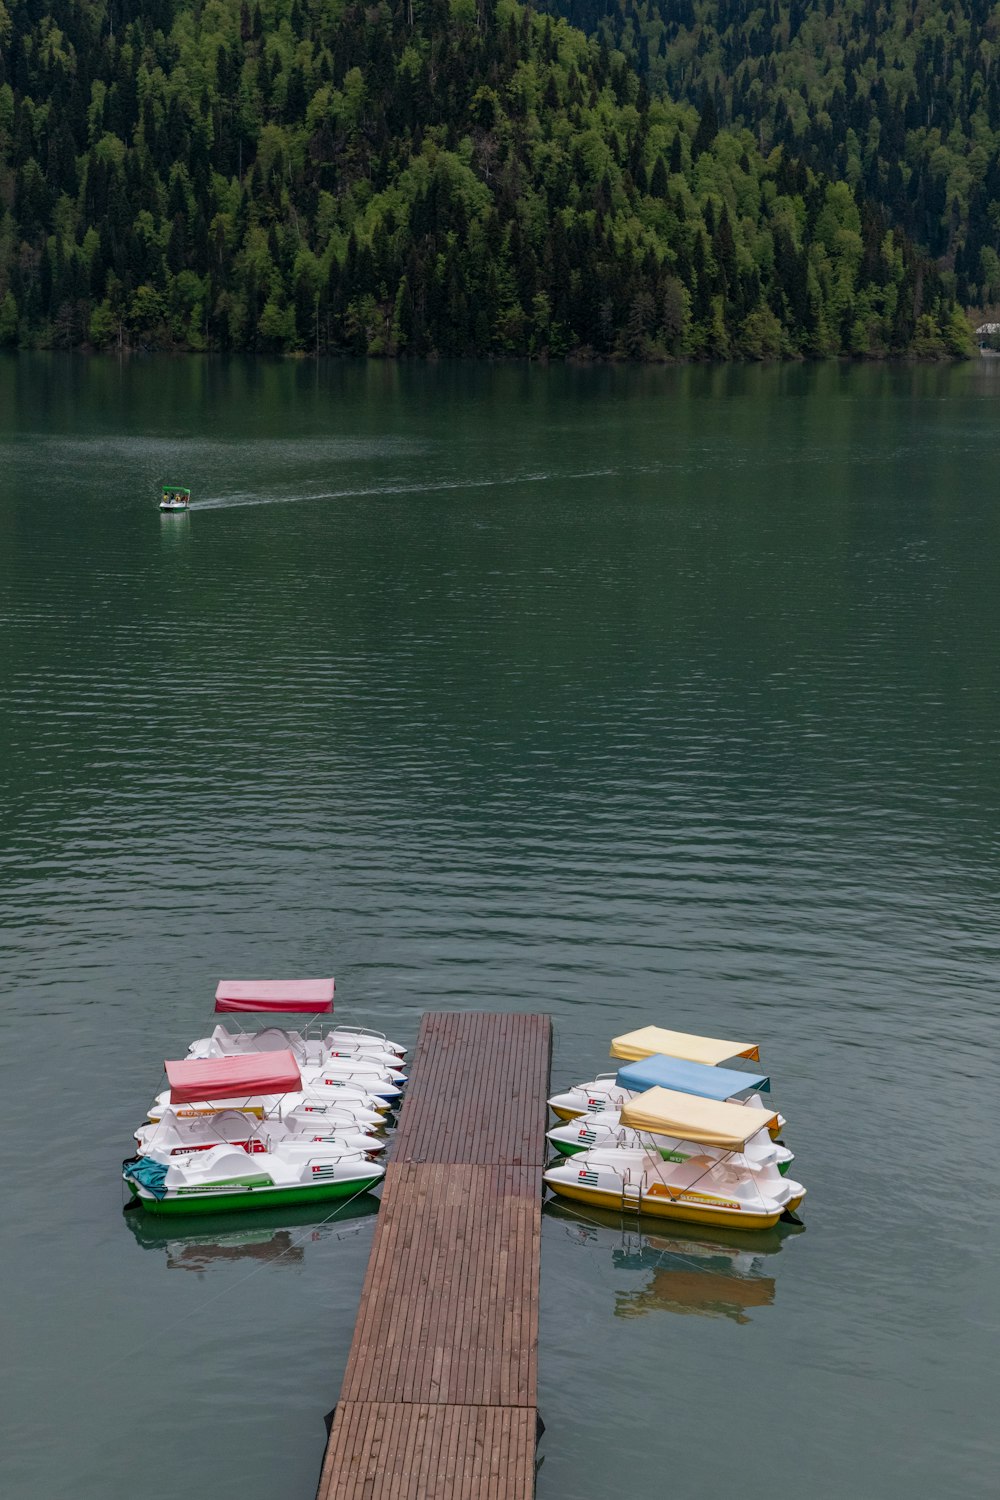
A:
x: 449, y: 176
x: 901, y: 98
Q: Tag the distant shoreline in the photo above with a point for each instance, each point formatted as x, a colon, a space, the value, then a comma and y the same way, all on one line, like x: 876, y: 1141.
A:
x: 576, y: 358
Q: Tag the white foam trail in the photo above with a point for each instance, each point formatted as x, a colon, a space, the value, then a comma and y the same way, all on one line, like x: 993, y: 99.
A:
x: 226, y: 502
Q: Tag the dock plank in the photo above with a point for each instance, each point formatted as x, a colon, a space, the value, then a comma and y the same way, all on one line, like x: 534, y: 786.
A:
x: 404, y: 1451
x: 439, y: 1398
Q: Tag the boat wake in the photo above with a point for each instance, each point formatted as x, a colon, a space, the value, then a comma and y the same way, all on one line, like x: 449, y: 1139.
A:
x: 227, y: 502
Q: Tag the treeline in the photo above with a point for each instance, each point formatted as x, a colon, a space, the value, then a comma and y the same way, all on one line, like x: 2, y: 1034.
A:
x: 430, y: 176
x: 899, y: 98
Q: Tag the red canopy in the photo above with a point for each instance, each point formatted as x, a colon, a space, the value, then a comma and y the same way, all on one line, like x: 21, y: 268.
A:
x: 193, y: 1080
x: 313, y: 995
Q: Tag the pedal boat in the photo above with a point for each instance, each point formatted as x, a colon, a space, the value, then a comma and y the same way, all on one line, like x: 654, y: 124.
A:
x: 257, y: 1083
x: 387, y: 1083
x: 225, y: 1178
x: 359, y: 1072
x: 724, y: 1189
x: 228, y: 1176
x: 602, y: 1094
x: 312, y: 1052
x: 175, y: 497
x: 634, y: 1046
x: 605, y: 1131
x: 177, y: 1136
x: 304, y: 997
x: 336, y: 1096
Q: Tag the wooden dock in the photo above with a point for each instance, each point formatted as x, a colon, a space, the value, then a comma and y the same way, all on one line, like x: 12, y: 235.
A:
x: 439, y: 1401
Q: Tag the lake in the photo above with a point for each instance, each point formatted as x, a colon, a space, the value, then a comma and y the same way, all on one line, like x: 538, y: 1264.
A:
x: 629, y: 695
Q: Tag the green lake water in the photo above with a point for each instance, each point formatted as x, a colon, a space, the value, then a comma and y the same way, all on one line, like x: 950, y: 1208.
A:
x: 629, y: 696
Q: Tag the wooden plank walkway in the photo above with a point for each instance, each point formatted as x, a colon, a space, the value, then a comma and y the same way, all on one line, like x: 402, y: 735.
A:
x: 439, y: 1400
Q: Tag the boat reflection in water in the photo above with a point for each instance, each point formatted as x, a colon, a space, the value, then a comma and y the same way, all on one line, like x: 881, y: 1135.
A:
x: 715, y: 1274
x: 174, y: 525
x: 282, y: 1237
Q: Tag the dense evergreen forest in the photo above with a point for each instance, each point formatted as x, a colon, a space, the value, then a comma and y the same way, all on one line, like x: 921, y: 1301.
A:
x: 900, y: 98
x: 426, y: 176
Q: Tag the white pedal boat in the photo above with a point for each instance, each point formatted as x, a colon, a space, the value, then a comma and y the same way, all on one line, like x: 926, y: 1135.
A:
x: 336, y: 1096
x: 605, y: 1093
x: 386, y: 1082
x: 305, y: 996
x: 310, y: 1052
x: 262, y: 1083
x: 358, y: 1074
x: 605, y: 1131
x: 175, y: 1136
x: 725, y: 1188
x: 226, y: 1178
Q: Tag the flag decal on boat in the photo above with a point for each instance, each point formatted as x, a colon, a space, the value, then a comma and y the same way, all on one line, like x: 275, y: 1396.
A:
x: 324, y: 1171
x: 590, y: 1179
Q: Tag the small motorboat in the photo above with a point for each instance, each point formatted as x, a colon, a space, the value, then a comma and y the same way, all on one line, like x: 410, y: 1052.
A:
x: 605, y: 1131
x: 175, y: 497
x: 725, y: 1188
x: 173, y: 1135
x: 226, y: 1178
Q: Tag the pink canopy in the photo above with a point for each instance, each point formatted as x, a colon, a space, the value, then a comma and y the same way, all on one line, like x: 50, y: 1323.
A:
x: 193, y: 1080
x: 313, y: 995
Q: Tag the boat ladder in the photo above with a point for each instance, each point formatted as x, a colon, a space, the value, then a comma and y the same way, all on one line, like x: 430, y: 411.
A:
x: 631, y: 1197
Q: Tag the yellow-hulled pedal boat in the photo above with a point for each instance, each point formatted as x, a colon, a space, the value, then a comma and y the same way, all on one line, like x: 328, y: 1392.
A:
x: 732, y: 1191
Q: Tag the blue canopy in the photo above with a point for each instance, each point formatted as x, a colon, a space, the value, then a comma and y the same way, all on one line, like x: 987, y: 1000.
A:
x: 688, y: 1078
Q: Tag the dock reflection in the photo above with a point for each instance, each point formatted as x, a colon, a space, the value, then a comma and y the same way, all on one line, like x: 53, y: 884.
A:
x: 213, y: 1239
x: 714, y: 1274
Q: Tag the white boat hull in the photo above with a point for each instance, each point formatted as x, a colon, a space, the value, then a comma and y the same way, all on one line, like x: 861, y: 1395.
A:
x: 313, y: 1052
x: 174, y: 1136
x: 604, y: 1130
x: 335, y: 1096
x: 603, y: 1093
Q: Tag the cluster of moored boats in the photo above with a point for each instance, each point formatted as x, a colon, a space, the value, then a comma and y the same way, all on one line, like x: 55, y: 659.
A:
x: 675, y: 1135
x: 269, y: 1117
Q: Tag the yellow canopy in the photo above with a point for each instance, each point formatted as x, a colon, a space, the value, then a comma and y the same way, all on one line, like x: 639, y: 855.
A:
x: 700, y: 1049
x: 705, y: 1121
